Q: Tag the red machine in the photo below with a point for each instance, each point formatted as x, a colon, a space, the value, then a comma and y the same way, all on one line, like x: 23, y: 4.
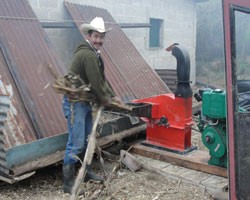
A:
x: 169, y: 116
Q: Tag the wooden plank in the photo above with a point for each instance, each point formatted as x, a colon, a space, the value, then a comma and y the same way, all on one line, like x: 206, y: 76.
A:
x: 37, y: 163
x: 12, y: 180
x: 196, y: 159
x: 119, y: 136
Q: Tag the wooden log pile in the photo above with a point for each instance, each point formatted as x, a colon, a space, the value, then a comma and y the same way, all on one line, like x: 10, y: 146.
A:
x: 74, y: 87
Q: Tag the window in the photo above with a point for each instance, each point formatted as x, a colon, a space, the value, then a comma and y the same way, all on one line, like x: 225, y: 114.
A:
x: 155, y: 33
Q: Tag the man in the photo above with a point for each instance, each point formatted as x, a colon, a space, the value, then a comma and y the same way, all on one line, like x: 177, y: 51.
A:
x: 88, y: 64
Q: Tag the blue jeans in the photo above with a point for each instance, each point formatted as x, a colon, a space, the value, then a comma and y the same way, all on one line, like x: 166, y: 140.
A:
x: 79, y: 121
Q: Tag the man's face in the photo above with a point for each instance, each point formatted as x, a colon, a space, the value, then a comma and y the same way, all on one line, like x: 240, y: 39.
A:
x: 96, y: 39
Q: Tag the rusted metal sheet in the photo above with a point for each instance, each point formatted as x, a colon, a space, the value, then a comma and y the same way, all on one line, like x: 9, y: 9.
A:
x: 169, y: 77
x: 28, y: 54
x: 18, y: 128
x: 34, y: 111
x: 4, y: 108
x: 129, y: 74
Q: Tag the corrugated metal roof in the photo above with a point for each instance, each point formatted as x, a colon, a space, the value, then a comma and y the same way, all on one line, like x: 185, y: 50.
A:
x: 18, y: 127
x: 169, y: 77
x: 25, y: 53
x: 128, y: 73
x: 4, y: 108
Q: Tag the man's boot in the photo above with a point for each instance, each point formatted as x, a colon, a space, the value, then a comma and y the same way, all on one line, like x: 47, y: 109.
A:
x: 68, y: 177
x: 91, y: 175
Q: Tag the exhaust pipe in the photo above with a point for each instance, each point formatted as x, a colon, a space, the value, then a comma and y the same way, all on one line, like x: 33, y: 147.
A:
x: 183, y: 88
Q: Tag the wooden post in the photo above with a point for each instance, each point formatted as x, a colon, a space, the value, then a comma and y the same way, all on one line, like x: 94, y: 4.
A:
x: 88, y: 156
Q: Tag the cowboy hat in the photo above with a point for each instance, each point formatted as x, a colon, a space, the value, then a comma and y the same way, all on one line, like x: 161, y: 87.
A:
x: 97, y: 24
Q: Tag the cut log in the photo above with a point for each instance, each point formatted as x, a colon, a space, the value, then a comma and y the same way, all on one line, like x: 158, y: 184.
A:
x: 88, y: 156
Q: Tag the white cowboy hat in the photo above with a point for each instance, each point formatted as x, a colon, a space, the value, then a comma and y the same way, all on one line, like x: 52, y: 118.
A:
x: 97, y: 24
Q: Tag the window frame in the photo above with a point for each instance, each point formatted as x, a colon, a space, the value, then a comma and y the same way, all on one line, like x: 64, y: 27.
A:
x: 156, y: 33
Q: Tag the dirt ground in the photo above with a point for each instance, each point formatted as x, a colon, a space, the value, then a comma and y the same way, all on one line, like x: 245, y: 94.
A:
x: 46, y: 184
x: 125, y: 185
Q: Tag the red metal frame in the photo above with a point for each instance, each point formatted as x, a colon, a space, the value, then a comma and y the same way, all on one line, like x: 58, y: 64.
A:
x: 227, y: 6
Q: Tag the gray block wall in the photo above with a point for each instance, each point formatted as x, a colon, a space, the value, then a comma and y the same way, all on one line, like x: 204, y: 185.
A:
x: 179, y: 18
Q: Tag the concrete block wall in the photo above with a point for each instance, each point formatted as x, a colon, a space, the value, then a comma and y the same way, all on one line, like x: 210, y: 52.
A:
x: 179, y: 26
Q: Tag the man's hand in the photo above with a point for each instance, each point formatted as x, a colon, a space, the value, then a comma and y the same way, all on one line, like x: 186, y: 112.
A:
x: 117, y: 100
x: 117, y: 103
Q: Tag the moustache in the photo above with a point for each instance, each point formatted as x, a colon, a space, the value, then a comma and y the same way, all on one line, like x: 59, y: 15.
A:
x: 98, y: 43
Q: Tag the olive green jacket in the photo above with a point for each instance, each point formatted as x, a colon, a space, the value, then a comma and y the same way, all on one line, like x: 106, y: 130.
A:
x: 90, y: 67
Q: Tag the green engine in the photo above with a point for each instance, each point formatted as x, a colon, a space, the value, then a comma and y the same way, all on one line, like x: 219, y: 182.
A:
x: 212, y: 124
